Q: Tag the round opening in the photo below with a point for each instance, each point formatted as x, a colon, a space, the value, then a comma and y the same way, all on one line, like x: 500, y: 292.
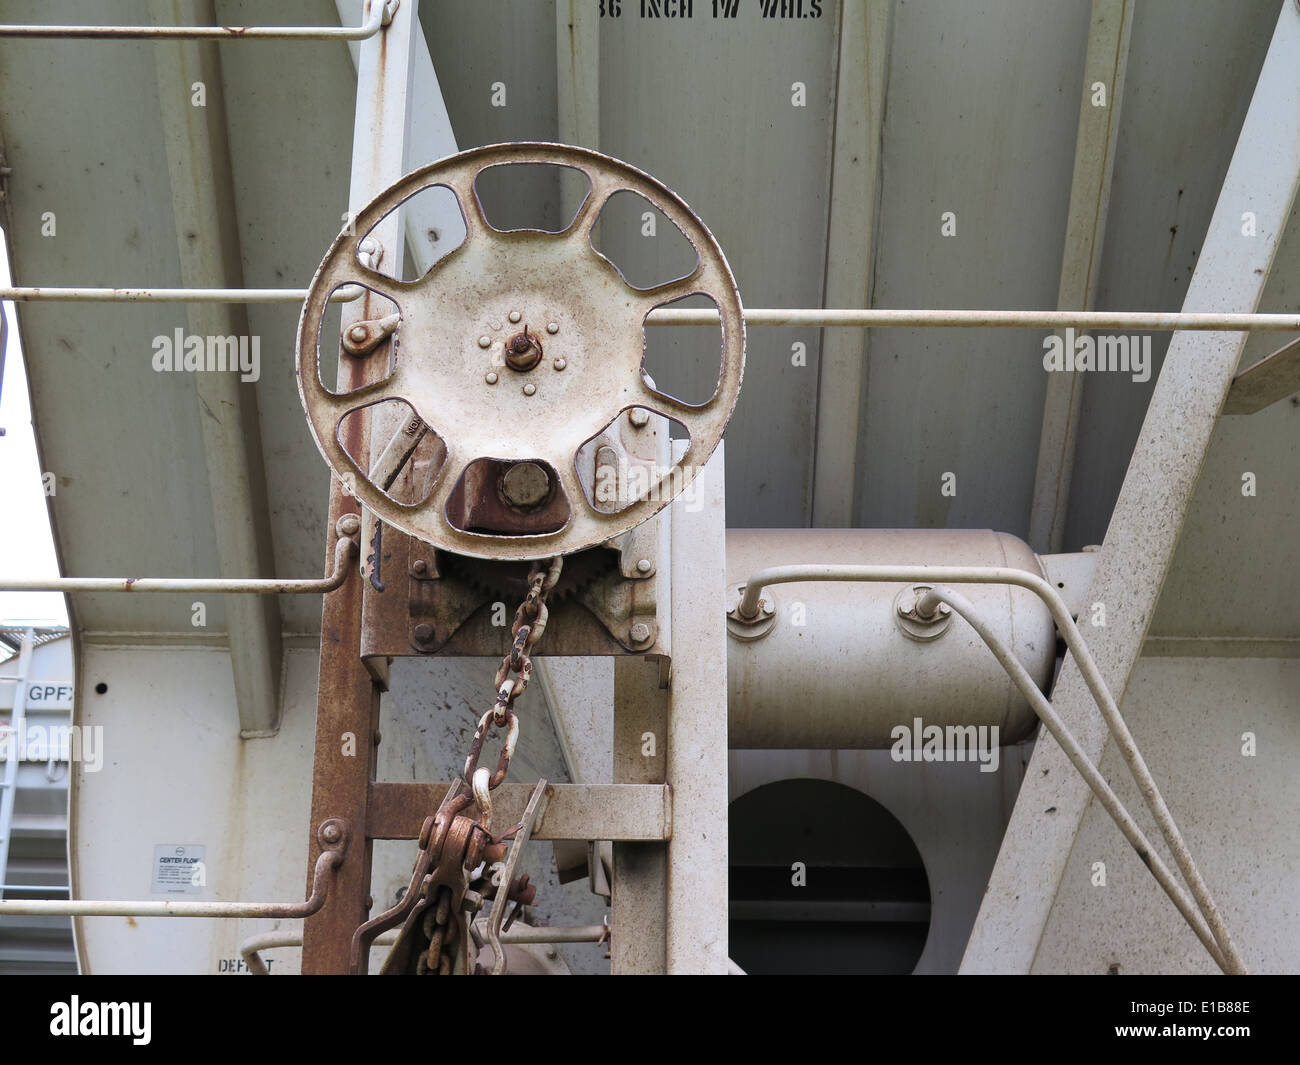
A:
x: 823, y: 880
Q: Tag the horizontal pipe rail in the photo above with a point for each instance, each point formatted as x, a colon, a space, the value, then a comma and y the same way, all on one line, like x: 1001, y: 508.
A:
x: 380, y: 15
x: 1227, y: 956
x: 343, y: 551
x: 45, y: 294
x: 584, y: 933
x: 888, y: 318
x: 328, y: 861
x: 873, y: 318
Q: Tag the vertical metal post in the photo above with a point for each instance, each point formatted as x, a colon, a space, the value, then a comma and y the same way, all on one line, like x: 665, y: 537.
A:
x: 696, y: 937
x: 347, y: 714
x: 639, y: 890
x: 17, y: 732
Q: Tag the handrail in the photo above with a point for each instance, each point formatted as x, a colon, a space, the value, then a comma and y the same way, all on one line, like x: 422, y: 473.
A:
x: 846, y: 317
x: 343, y: 550
x: 381, y: 14
x: 328, y: 861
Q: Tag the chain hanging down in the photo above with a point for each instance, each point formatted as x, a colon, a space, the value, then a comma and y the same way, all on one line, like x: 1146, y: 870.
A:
x: 447, y: 889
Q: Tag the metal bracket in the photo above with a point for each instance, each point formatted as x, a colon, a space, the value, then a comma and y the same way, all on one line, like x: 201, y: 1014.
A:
x: 536, y: 805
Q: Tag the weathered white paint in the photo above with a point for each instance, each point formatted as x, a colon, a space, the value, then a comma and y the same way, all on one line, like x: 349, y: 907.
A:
x: 1237, y: 811
x: 1148, y: 517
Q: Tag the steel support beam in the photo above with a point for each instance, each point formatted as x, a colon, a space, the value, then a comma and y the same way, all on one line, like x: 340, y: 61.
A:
x: 1274, y: 377
x: 1153, y: 502
x: 861, y: 74
x: 577, y: 47
x: 429, y: 224
x: 577, y: 72
x: 639, y: 885
x: 347, y: 699
x: 207, y: 240
x: 1085, y: 230
x: 697, y: 730
x: 637, y: 812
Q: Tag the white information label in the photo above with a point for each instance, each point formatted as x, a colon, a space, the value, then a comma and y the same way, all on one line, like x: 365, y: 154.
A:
x: 179, y: 869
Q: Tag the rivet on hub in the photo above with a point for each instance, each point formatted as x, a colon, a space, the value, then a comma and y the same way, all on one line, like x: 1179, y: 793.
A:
x: 485, y: 341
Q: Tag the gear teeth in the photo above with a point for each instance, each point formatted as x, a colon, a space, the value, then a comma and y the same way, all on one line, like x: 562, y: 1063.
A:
x: 508, y: 581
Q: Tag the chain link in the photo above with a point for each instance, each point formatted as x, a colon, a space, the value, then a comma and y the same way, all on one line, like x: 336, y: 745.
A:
x: 527, y: 629
x: 440, y: 925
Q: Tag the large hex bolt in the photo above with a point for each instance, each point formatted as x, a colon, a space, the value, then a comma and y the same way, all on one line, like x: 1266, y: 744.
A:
x: 525, y: 484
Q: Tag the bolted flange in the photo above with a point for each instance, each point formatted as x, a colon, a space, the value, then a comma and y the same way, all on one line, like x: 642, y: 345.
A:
x: 916, y: 626
x: 745, y: 629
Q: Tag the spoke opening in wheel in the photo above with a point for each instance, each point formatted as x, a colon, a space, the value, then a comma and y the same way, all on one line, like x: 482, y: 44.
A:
x: 508, y: 497
x: 543, y: 197
x: 643, y: 244
x: 401, y: 452
x: 684, y: 362
x: 431, y: 225
x: 377, y: 340
x: 619, y: 466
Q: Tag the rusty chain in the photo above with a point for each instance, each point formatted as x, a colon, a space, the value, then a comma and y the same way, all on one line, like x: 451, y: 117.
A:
x: 527, y: 629
x: 442, y: 901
